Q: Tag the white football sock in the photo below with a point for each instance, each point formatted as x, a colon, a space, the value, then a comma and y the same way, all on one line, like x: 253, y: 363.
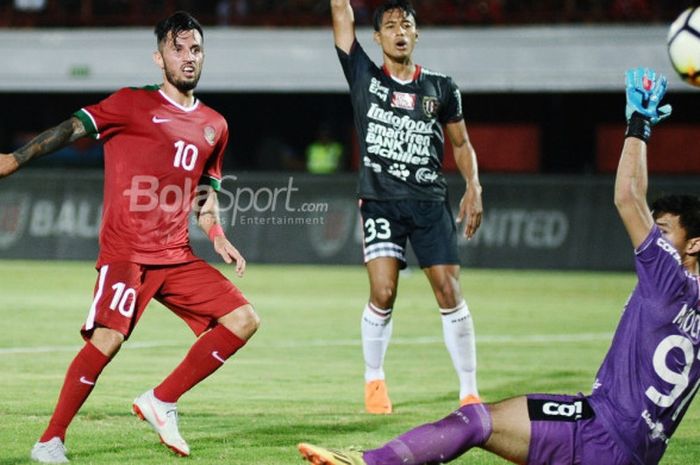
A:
x: 458, y: 330
x: 376, y: 331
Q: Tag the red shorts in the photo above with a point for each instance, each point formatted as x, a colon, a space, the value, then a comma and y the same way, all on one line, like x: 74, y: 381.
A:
x: 195, y: 291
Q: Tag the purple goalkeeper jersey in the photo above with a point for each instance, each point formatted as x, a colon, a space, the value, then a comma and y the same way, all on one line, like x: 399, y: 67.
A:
x: 651, y: 371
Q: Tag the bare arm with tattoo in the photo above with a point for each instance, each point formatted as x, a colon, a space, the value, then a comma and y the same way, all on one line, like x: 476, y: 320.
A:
x: 47, y: 142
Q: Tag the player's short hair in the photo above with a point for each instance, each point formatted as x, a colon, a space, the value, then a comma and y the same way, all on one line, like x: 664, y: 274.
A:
x: 686, y: 207
x: 403, y: 5
x: 178, y: 22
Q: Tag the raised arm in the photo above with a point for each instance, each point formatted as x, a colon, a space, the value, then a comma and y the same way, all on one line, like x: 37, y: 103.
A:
x: 45, y: 143
x: 465, y: 157
x: 208, y: 220
x: 644, y: 93
x: 343, y: 24
x: 631, y: 190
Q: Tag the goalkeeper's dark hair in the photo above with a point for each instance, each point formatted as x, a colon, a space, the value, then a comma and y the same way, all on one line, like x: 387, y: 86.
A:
x: 403, y: 5
x: 686, y: 207
x: 175, y: 24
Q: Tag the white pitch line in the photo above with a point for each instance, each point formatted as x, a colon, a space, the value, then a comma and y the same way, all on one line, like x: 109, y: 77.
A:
x: 485, y: 339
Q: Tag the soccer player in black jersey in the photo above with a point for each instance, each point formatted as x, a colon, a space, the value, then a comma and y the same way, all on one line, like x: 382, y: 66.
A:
x: 400, y: 110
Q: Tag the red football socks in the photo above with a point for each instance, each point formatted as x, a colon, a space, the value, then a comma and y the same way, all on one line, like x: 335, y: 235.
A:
x: 204, y: 358
x: 81, y: 377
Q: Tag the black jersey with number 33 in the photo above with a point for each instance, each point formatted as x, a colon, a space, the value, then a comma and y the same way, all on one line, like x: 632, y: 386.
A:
x: 399, y: 128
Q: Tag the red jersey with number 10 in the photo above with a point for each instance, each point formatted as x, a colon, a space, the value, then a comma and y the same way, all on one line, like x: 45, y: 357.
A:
x: 155, y: 154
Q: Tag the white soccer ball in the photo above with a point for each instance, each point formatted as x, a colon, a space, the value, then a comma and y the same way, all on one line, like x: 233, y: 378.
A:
x: 684, y: 45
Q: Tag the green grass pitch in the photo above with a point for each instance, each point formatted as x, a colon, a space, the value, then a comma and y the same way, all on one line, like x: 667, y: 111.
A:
x: 300, y: 378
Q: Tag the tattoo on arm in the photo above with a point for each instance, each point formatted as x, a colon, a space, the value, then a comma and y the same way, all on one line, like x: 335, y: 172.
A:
x: 51, y: 140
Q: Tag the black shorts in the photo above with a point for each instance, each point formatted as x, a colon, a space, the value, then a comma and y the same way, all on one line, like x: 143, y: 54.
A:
x: 428, y: 224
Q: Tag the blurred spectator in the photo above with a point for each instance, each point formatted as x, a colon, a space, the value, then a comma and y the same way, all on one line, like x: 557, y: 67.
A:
x: 456, y: 12
x: 224, y: 11
x: 241, y: 9
x: 638, y: 10
x: 274, y: 154
x: 30, y: 6
x: 325, y: 154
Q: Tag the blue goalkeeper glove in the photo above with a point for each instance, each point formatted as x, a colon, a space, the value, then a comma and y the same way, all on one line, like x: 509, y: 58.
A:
x: 645, y: 89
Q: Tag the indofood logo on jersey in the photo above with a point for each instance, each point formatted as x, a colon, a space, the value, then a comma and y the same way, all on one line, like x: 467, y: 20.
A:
x: 399, y: 138
x: 400, y: 123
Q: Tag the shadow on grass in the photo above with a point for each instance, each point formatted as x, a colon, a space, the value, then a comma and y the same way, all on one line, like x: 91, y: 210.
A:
x: 281, y: 434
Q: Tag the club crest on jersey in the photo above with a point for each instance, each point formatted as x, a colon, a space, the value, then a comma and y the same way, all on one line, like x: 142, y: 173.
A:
x: 210, y: 135
x: 431, y: 105
x: 403, y: 100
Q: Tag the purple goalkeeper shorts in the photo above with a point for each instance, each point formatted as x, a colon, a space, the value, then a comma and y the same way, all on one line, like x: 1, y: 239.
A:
x: 564, y: 431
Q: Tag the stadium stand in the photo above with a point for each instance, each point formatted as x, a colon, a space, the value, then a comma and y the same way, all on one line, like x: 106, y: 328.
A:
x: 270, y: 13
x: 527, y: 138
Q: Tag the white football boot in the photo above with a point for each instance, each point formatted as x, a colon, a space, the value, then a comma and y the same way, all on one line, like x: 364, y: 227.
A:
x: 51, y: 451
x: 162, y: 416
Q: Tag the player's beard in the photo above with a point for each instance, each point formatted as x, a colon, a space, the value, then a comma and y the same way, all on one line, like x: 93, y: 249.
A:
x: 183, y: 85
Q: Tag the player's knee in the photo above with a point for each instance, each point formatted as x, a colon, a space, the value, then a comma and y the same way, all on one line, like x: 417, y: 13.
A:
x: 252, y: 321
x: 107, y: 341
x: 243, y: 322
x: 383, y: 296
x: 447, y: 295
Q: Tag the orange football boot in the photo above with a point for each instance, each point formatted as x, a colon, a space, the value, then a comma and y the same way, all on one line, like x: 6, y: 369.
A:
x: 470, y: 399
x: 377, y: 398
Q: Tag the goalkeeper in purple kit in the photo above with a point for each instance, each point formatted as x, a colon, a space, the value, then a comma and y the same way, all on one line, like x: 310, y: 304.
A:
x: 651, y: 372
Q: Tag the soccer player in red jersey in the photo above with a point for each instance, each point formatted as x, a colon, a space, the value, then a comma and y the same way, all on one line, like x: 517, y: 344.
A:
x: 160, y: 144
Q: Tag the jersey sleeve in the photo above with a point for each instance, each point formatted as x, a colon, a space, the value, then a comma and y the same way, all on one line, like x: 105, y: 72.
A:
x: 107, y: 117
x: 213, y: 170
x: 659, y: 268
x: 451, y: 111
x: 355, y: 64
